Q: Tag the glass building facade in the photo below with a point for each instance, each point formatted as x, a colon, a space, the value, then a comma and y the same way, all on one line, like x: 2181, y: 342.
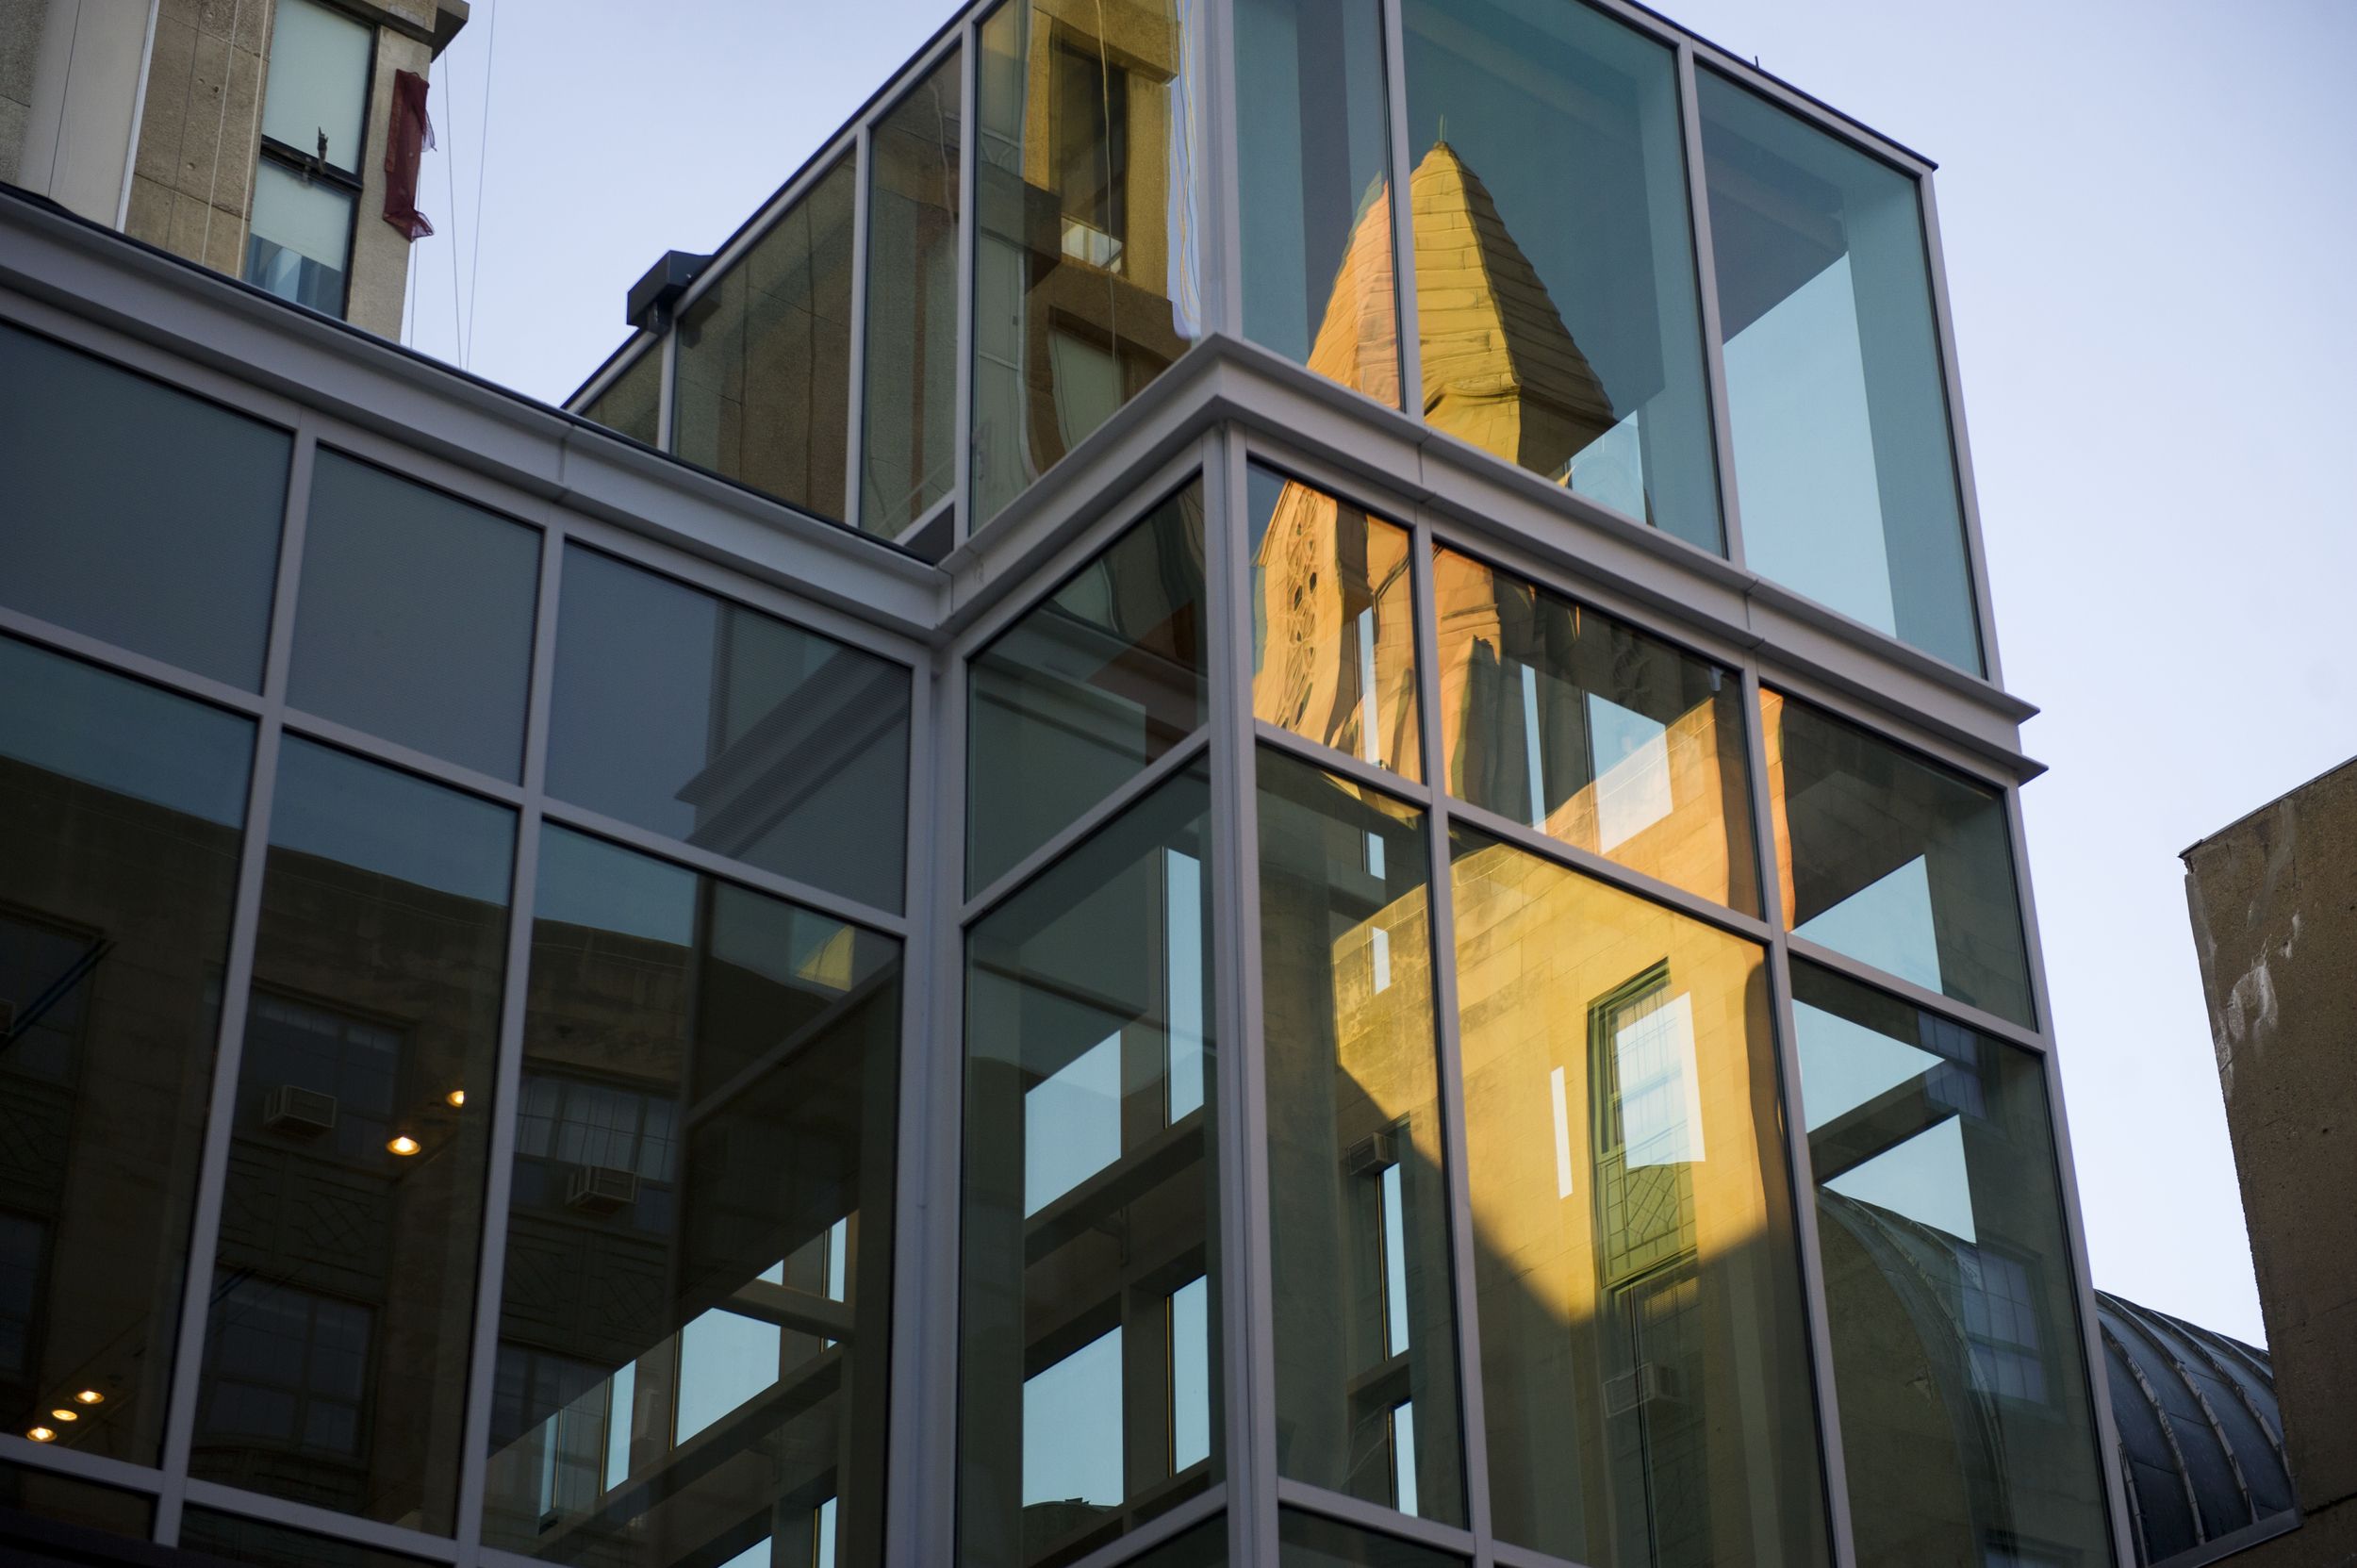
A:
x: 1005, y: 908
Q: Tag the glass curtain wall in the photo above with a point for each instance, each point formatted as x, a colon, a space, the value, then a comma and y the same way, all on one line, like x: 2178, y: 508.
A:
x: 1842, y: 459
x: 1313, y: 118
x: 1086, y: 259
x: 1593, y: 732
x: 908, y: 453
x: 1949, y: 1291
x: 1359, y: 1229
x: 700, y: 1233
x: 125, y: 808
x: 1557, y: 316
x: 1090, y: 1368
x: 1645, y: 1364
x: 764, y: 357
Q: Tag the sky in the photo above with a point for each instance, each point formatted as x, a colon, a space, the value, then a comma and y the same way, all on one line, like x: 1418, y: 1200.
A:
x: 2148, y: 213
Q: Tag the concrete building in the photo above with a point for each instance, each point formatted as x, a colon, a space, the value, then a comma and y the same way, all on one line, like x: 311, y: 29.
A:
x: 1123, y: 852
x: 251, y: 138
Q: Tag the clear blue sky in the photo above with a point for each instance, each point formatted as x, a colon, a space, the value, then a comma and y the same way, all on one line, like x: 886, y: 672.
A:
x: 2150, y: 213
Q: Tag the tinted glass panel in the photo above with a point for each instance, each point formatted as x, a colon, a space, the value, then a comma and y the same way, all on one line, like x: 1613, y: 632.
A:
x: 764, y: 358
x: 910, y: 447
x: 1333, y: 624
x: 318, y: 98
x: 1554, y: 257
x: 118, y: 866
x: 1312, y: 1541
x: 416, y: 616
x: 1949, y: 1285
x: 1090, y: 1393
x: 1593, y: 732
x: 1314, y: 114
x: 1358, y: 1231
x: 698, y: 1249
x: 1894, y: 860
x: 715, y: 724
x: 299, y: 244
x: 632, y: 405
x: 242, y: 1540
x: 171, y: 554
x: 47, y: 1496
x: 335, y: 1353
x: 1204, y: 1546
x: 1833, y: 387
x: 1087, y: 689
x: 1645, y: 1369
x: 1085, y: 259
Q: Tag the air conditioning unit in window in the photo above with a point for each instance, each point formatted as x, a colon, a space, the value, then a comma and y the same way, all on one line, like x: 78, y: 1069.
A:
x: 1650, y: 1381
x: 298, y: 1112
x: 601, y: 1190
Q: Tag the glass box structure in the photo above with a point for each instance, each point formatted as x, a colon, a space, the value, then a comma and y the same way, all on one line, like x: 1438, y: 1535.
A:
x: 1248, y: 803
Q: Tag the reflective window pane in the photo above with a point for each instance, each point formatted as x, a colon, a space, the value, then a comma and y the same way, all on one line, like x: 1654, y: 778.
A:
x: 299, y: 243
x: 1358, y: 1230
x: 700, y: 1237
x: 1949, y: 1285
x: 740, y: 733
x: 1894, y: 860
x: 46, y: 1494
x: 343, y: 1298
x: 1593, y: 732
x: 1833, y: 387
x: 416, y: 616
x: 764, y: 358
x: 909, y: 450
x: 1086, y: 263
x: 317, y: 99
x: 1644, y: 1361
x: 1314, y: 114
x: 1087, y: 689
x: 171, y: 554
x: 633, y: 405
x: 1090, y: 1378
x: 1314, y: 1541
x: 1333, y: 624
x: 266, y: 1546
x: 118, y: 866
x: 1555, y: 299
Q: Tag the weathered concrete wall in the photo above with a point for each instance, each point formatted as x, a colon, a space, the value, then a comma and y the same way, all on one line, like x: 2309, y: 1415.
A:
x: 20, y: 42
x: 194, y: 183
x: 380, y: 253
x: 2274, y: 908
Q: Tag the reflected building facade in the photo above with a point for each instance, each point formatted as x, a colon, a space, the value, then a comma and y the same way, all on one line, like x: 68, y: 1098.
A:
x: 1184, y: 826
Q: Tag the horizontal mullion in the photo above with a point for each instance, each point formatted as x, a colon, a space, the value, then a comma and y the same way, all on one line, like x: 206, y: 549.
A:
x: 122, y: 661
x: 1161, y: 1528
x: 1104, y: 811
x: 360, y: 742
x: 1353, y: 769
x: 320, y: 1521
x: 1371, y: 1516
x: 1587, y: 863
x: 710, y: 863
x: 1508, y: 1555
x: 1917, y: 995
x: 73, y: 1462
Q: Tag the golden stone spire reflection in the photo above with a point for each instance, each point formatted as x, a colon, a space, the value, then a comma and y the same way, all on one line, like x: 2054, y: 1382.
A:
x: 1357, y: 343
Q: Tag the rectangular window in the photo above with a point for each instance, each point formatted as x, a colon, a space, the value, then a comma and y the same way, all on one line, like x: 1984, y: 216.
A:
x: 1591, y: 731
x: 315, y: 113
x: 1358, y: 1230
x: 124, y: 808
x: 1964, y: 1407
x: 764, y: 357
x: 300, y: 245
x: 909, y: 448
x: 317, y: 102
x: 1090, y: 1378
x: 1644, y: 1356
x: 46, y: 1494
x: 1086, y: 264
x: 267, y: 1545
x: 700, y: 1236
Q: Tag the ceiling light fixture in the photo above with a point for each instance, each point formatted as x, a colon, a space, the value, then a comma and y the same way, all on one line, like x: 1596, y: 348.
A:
x: 65, y: 1415
x: 456, y: 1096
x: 90, y: 1397
x: 41, y: 1434
x: 403, y: 1145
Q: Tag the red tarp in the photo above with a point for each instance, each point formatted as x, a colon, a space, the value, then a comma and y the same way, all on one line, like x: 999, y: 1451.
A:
x: 411, y: 132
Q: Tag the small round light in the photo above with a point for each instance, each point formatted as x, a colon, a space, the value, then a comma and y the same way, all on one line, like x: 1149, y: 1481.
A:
x: 41, y: 1434
x: 403, y: 1145
x: 65, y: 1415
x: 90, y: 1397
x: 456, y: 1096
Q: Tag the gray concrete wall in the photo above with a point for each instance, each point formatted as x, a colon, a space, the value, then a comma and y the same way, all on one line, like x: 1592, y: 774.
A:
x: 20, y: 39
x: 193, y: 184
x: 2274, y: 908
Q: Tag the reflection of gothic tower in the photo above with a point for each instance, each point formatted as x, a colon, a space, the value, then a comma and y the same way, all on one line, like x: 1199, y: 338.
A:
x: 1357, y: 344
x: 1500, y: 368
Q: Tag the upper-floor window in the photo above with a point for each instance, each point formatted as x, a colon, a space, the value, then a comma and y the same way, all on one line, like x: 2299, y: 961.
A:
x: 306, y: 183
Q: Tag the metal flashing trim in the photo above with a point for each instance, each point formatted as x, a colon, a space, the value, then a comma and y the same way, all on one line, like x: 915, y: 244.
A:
x: 320, y: 1521
x: 81, y: 1466
x: 1920, y: 998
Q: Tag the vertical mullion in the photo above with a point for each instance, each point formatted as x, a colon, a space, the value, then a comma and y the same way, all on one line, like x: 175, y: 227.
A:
x: 863, y: 176
x: 1248, y: 1367
x: 213, y: 1176
x: 969, y: 152
x: 507, y: 1072
x: 934, y: 1370
x: 668, y: 347
x: 1470, y: 1395
x: 1219, y: 180
x: 1707, y: 283
x: 1959, y: 443
x: 1403, y: 218
x: 1803, y: 1178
